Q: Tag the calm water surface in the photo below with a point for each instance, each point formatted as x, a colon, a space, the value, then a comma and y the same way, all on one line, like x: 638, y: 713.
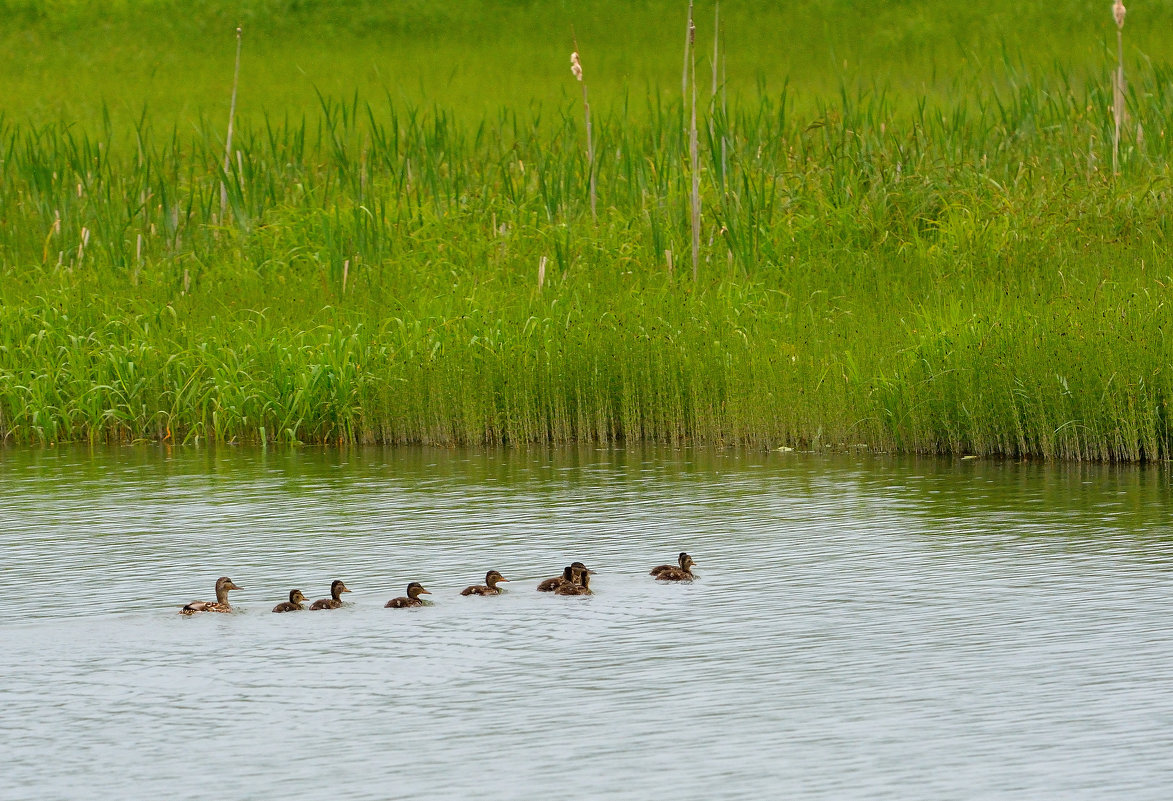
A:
x: 864, y: 627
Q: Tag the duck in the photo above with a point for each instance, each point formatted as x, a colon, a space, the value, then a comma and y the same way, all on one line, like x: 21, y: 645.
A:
x: 293, y: 604
x: 580, y: 587
x: 551, y: 584
x: 683, y: 572
x: 223, y: 585
x: 569, y: 576
x: 414, y: 591
x: 492, y: 578
x: 335, y: 599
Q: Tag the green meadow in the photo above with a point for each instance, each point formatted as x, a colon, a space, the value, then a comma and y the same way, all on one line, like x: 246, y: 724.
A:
x: 914, y: 233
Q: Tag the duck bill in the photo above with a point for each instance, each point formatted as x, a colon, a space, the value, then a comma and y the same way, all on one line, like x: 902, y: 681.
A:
x: 425, y: 592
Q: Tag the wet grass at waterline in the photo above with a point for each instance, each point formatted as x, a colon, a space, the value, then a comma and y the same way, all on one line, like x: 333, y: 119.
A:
x: 969, y: 278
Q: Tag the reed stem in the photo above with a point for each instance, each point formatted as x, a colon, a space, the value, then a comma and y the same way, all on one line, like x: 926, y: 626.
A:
x: 231, y: 121
x: 694, y: 160
x: 1118, y: 109
x: 576, y: 70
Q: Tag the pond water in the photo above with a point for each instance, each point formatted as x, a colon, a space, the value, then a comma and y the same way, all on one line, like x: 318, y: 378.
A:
x: 863, y: 626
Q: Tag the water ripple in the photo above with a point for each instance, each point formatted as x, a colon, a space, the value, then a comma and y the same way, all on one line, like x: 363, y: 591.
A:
x: 863, y: 628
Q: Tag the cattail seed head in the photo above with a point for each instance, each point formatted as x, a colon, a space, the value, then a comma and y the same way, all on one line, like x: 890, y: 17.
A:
x: 575, y: 66
x: 1118, y: 11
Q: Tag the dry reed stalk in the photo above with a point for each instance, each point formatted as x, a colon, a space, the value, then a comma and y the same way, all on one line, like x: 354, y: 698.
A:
x: 576, y: 70
x: 231, y: 120
x: 716, y: 47
x: 719, y: 86
x: 541, y: 273
x: 81, y: 246
x: 1118, y: 109
x: 694, y: 161
x: 725, y: 104
x: 138, y: 260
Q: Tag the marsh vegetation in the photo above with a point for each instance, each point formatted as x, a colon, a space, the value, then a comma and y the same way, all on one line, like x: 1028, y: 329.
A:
x: 912, y: 235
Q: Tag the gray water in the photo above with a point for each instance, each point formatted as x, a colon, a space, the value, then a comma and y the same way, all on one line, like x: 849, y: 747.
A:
x: 864, y: 627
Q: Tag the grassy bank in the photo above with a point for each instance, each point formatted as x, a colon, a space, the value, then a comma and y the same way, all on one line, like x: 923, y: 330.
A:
x: 951, y: 271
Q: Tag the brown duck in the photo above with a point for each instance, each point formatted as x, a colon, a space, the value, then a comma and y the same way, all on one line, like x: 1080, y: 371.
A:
x: 414, y: 591
x: 293, y: 604
x: 551, y: 584
x: 335, y: 599
x: 569, y: 576
x: 492, y: 578
x: 223, y: 585
x: 683, y: 572
x: 581, y: 587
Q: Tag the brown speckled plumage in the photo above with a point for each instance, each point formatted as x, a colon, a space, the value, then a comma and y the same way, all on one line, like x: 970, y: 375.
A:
x: 335, y: 599
x: 223, y: 585
x: 414, y: 591
x: 581, y: 585
x: 293, y: 604
x: 570, y: 575
x: 488, y: 588
x: 683, y: 572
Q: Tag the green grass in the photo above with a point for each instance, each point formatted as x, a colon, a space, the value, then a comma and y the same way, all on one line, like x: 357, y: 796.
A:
x: 923, y: 250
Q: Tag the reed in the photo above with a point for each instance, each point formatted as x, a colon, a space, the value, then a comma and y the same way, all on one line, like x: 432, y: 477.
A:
x: 576, y: 70
x: 231, y: 123
x: 694, y: 197
x: 1119, y: 109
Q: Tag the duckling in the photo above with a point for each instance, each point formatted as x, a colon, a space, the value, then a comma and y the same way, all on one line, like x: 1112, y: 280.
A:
x: 492, y: 578
x: 223, y: 585
x: 335, y: 599
x: 551, y: 584
x: 581, y: 587
x: 414, y: 591
x: 569, y: 576
x: 293, y: 604
x: 674, y: 573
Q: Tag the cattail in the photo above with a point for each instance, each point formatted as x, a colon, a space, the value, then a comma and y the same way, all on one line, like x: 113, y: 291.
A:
x: 1118, y: 109
x: 576, y: 71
